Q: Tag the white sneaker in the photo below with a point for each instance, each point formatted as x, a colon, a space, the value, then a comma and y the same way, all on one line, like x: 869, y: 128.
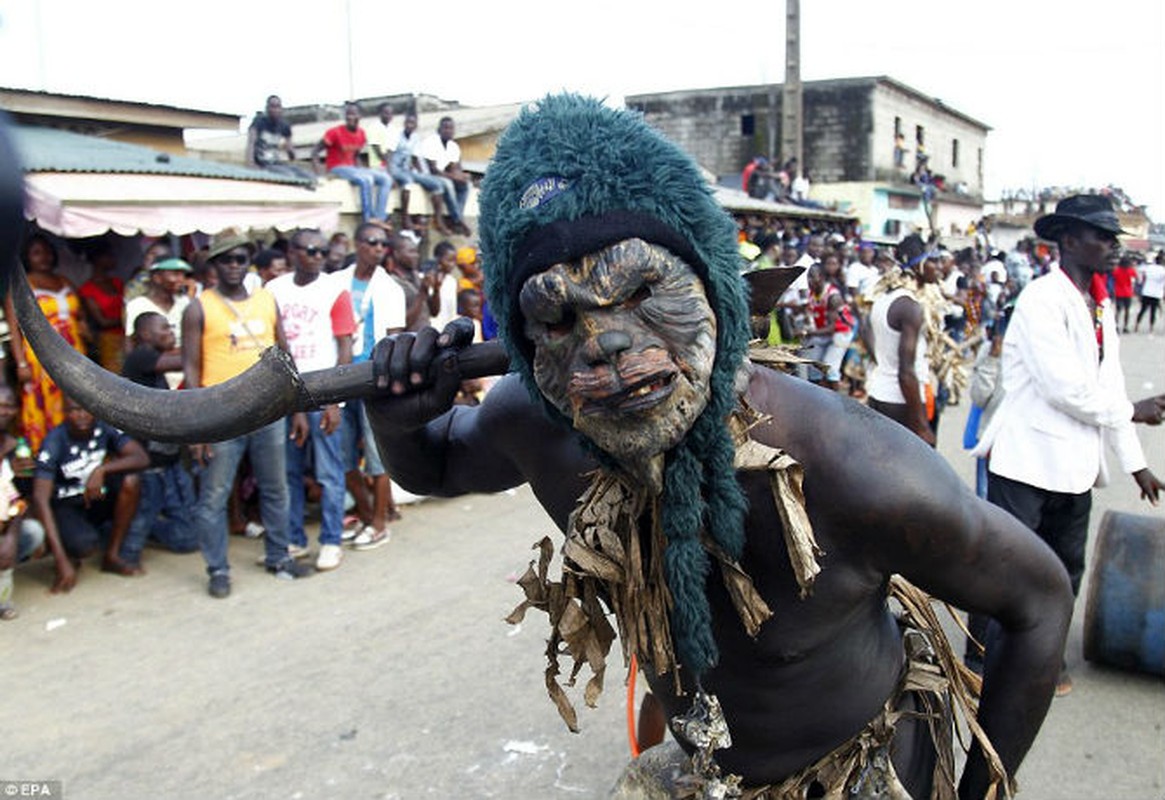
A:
x: 297, y: 552
x: 330, y: 557
x: 254, y: 530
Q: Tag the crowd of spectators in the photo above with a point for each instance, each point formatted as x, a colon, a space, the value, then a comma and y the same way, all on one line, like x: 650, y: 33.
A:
x: 374, y: 160
x: 72, y: 486
x: 823, y: 314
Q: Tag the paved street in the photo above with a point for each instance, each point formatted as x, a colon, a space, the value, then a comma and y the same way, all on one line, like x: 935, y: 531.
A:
x: 395, y: 676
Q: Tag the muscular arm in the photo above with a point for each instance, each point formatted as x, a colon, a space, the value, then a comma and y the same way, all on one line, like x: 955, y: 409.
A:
x: 465, y: 449
x: 927, y: 526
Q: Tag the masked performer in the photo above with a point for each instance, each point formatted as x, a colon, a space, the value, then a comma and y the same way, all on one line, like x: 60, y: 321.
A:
x: 725, y: 514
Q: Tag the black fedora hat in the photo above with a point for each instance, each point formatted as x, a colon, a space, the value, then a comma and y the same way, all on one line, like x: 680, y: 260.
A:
x: 1092, y: 209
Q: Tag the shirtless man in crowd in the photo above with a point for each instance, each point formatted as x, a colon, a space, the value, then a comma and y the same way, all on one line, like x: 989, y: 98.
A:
x: 621, y: 308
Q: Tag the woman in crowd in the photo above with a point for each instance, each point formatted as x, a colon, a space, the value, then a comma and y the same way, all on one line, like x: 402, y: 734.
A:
x: 103, y: 296
x: 42, y: 404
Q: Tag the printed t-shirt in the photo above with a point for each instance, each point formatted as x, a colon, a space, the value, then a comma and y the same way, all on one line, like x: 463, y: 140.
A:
x: 69, y: 462
x: 313, y: 316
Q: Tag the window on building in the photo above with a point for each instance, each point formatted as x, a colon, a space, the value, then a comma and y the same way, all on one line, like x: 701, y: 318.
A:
x: 747, y: 125
x: 954, y: 152
x: 902, y: 202
x: 919, y: 135
x: 897, y: 127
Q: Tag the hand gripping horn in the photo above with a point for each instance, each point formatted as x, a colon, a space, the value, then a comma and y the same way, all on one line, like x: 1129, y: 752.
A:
x: 270, y: 389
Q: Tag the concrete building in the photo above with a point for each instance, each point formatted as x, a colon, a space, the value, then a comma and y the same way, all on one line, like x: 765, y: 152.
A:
x: 148, y: 124
x: 863, y: 138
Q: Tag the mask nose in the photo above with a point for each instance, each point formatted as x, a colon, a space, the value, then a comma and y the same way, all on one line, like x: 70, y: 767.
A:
x: 606, y: 347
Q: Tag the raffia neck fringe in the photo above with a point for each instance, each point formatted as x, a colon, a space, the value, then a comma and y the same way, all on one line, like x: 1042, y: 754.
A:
x: 604, y: 556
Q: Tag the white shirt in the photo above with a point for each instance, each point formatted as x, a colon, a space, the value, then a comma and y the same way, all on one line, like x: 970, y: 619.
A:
x: 883, y: 382
x: 383, y: 299
x: 859, y: 278
x: 1153, y: 276
x: 307, y: 314
x: 383, y: 136
x: 1061, y: 403
x: 447, y: 312
x: 440, y: 154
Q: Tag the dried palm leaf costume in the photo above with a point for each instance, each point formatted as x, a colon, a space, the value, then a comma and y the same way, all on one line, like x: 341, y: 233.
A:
x: 570, y: 177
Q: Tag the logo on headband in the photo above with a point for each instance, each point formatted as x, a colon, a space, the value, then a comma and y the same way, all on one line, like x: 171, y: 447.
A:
x: 543, y: 190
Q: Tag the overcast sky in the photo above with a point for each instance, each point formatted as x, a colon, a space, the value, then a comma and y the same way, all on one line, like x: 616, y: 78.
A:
x: 1074, y: 92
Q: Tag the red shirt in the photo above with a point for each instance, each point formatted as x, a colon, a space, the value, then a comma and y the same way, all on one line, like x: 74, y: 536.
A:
x: 343, y: 146
x: 819, y: 309
x: 1122, y: 279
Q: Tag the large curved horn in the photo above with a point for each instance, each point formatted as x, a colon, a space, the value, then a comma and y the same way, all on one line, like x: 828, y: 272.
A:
x: 267, y: 391
x: 270, y: 389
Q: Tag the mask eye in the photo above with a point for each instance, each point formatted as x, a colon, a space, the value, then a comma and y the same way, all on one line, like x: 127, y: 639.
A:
x: 563, y: 326
x: 641, y: 294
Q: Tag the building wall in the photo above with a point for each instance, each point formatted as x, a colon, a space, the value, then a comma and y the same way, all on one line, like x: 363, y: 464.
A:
x: 721, y: 129
x: 848, y: 130
x: 837, y: 131
x: 940, y: 130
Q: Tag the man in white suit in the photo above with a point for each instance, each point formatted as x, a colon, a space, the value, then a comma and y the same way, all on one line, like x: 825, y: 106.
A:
x: 1065, y: 396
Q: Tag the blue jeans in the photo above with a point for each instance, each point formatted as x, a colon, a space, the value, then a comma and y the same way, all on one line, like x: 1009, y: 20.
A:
x: 456, y: 195
x: 365, y: 178
x: 405, y: 178
x: 329, y: 469
x: 267, y: 452
x: 354, y: 428
x: 163, y: 513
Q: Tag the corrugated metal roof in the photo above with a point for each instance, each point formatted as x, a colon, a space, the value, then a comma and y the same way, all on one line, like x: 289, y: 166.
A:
x: 51, y: 150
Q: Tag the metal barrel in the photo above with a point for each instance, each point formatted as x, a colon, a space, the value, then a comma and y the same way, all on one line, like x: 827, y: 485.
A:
x: 1124, y: 613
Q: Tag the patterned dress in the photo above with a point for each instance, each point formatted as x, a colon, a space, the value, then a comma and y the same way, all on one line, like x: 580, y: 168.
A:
x: 42, y: 403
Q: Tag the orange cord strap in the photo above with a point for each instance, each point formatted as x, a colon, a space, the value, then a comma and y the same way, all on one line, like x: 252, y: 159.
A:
x: 631, y: 736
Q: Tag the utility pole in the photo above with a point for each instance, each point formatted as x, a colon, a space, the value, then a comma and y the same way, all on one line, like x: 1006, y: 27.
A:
x: 791, y: 97
x: 351, y: 59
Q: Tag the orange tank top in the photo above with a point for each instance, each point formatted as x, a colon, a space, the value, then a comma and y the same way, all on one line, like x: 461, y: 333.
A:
x: 234, y: 333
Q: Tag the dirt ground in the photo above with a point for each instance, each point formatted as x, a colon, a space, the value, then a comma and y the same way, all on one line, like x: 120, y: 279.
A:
x: 395, y: 676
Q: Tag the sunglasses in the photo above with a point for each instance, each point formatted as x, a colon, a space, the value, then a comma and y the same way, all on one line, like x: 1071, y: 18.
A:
x: 375, y: 242
x: 231, y: 258
x: 312, y: 250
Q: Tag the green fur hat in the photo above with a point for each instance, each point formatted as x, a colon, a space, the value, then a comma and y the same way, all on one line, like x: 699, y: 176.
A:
x: 570, y: 177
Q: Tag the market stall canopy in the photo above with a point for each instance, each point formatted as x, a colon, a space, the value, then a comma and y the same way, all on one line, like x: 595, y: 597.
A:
x: 78, y: 186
